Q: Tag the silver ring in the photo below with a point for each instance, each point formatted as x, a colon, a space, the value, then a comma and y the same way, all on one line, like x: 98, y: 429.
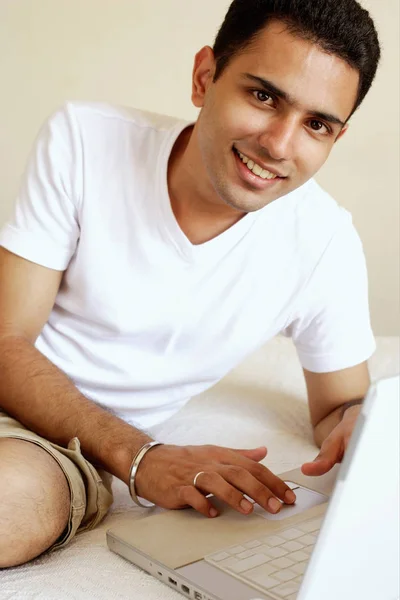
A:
x: 195, y: 479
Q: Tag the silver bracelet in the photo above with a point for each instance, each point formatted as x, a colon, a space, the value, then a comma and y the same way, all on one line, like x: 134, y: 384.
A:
x: 133, y: 470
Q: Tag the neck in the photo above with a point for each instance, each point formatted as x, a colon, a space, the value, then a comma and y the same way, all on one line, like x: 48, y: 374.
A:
x: 199, y: 212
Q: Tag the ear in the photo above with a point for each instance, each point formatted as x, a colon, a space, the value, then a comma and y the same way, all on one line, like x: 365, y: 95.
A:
x: 203, y: 74
x: 341, y: 134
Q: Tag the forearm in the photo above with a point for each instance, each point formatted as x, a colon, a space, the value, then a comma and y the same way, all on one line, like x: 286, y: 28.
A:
x: 41, y: 397
x: 324, y: 427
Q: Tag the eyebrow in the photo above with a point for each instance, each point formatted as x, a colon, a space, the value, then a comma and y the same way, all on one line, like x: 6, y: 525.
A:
x: 270, y: 87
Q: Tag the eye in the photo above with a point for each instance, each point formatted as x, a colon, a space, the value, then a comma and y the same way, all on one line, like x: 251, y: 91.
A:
x: 263, y: 96
x: 319, y: 126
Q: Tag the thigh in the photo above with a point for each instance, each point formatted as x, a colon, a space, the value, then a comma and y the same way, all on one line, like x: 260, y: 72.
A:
x: 89, y: 488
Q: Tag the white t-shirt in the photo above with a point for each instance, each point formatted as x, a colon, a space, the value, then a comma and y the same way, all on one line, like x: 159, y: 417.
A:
x: 144, y: 319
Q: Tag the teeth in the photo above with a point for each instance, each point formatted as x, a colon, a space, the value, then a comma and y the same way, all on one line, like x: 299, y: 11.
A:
x: 255, y: 168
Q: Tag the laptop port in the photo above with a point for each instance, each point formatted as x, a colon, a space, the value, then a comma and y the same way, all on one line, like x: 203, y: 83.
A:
x: 185, y: 589
x: 198, y: 596
x: 172, y: 581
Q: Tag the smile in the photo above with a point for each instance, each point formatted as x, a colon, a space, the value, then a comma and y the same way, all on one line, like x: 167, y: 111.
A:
x: 255, y: 168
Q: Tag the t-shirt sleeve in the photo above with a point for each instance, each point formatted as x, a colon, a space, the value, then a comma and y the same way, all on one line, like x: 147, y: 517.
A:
x: 44, y: 226
x: 331, y: 327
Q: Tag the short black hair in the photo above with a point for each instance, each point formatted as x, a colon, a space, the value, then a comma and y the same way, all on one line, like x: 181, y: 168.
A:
x: 339, y: 27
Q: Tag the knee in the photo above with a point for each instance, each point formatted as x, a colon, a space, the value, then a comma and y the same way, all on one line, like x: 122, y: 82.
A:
x: 35, y: 501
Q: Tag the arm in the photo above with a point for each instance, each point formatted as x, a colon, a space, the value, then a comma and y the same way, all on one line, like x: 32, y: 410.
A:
x: 40, y: 396
x: 328, y: 393
x: 36, y: 392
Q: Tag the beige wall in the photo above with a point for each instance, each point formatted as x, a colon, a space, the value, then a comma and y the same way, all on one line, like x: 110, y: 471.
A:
x: 140, y: 52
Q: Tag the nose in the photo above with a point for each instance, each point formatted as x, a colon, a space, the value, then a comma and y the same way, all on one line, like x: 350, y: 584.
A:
x: 278, y: 138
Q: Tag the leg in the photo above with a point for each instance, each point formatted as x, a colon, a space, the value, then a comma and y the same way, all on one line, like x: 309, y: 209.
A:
x: 34, y: 504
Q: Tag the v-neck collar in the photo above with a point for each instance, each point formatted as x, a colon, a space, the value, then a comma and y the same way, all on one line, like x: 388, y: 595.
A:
x: 211, y: 250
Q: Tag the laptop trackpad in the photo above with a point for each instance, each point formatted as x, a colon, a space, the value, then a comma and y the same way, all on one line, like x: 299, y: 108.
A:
x: 306, y: 498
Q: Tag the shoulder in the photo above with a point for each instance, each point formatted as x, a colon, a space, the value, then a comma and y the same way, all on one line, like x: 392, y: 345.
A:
x: 108, y: 132
x: 330, y: 239
x: 318, y: 221
x: 112, y: 116
x: 317, y: 209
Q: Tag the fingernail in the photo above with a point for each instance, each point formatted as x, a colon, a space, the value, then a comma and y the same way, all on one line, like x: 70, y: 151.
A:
x: 213, y: 512
x: 274, y: 504
x: 289, y: 497
x: 246, y: 505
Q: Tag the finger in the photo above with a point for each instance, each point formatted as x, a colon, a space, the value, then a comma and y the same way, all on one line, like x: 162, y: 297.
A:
x: 232, y: 457
x: 316, y: 468
x: 255, y: 454
x: 214, y: 483
x: 192, y: 497
x: 267, y: 483
x: 244, y: 481
x: 270, y: 482
x: 330, y: 454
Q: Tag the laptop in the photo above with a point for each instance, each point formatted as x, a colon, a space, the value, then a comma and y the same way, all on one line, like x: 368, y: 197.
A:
x: 340, y: 539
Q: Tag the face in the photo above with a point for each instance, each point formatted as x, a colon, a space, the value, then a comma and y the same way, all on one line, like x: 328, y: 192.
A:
x: 268, y: 124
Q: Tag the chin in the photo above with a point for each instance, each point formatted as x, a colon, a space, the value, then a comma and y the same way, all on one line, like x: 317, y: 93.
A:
x: 247, y: 202
x: 247, y: 207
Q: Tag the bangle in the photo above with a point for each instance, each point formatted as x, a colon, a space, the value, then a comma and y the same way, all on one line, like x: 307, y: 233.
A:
x: 133, y: 470
x: 347, y: 405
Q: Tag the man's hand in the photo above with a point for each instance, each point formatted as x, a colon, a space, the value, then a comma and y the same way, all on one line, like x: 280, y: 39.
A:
x: 335, y: 445
x: 166, y: 475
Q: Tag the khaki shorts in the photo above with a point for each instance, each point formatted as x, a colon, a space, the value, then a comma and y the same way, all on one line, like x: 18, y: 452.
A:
x: 90, y: 488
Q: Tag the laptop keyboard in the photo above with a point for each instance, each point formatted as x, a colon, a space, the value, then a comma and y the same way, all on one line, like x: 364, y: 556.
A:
x: 275, y: 563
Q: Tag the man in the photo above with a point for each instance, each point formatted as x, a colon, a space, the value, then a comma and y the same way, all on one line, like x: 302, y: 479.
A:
x: 147, y: 256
